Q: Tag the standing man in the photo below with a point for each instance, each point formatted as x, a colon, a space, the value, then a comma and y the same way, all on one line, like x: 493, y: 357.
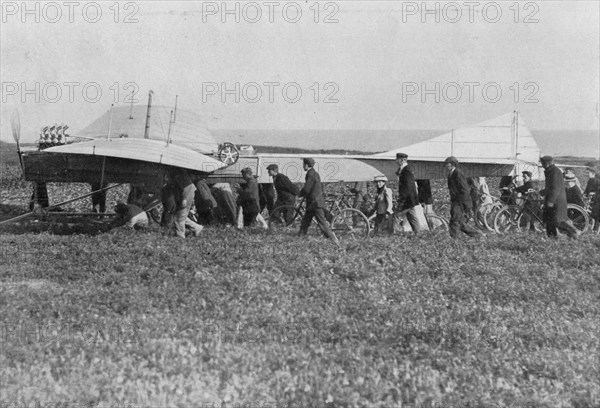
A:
x: 408, y: 198
x: 555, y: 201
x: 286, y: 192
x: 248, y: 198
x: 460, y: 200
x: 315, y: 201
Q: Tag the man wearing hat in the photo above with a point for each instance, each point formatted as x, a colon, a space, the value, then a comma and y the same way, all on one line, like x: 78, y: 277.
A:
x: 248, y: 198
x: 286, y: 192
x: 315, y: 201
x: 408, y: 198
x: 592, y: 189
x: 460, y: 200
x: 555, y: 201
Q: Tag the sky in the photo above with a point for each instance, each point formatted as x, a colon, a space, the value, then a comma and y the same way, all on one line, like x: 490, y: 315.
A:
x: 303, y: 65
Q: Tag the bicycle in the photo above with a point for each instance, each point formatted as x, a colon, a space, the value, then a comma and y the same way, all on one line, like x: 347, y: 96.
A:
x: 521, y: 218
x: 344, y: 220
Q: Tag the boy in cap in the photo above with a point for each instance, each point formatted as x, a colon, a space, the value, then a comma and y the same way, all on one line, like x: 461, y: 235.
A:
x: 383, y: 205
x: 408, y: 199
x: 315, y: 201
x: 286, y: 192
x: 555, y: 201
x: 460, y: 200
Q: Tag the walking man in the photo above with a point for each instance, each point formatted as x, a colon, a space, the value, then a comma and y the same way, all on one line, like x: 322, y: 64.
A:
x: 460, y: 200
x: 286, y: 192
x: 315, y: 201
x: 555, y: 201
x: 408, y: 198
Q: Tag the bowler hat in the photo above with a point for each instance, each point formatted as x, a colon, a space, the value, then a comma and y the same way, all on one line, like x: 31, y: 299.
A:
x: 570, y: 177
x: 308, y: 161
x: 401, y: 156
x: 273, y: 167
x: 451, y: 159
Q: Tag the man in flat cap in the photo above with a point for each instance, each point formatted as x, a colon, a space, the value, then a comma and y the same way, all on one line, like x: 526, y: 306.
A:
x: 460, y: 200
x: 408, y: 199
x: 286, y: 192
x: 315, y: 201
x: 248, y: 199
x: 555, y: 201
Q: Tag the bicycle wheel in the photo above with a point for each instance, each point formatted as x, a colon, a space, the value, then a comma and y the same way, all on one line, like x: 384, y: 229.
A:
x: 351, y: 223
x: 579, y: 217
x: 490, y: 215
x: 437, y: 224
x: 279, y: 221
x: 507, y: 219
x: 480, y: 215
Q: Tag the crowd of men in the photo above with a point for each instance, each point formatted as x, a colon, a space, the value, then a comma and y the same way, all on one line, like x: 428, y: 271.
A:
x: 216, y: 204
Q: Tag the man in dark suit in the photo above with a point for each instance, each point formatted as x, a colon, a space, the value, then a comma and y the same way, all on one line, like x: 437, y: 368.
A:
x: 286, y: 191
x: 460, y: 200
x: 408, y: 198
x: 555, y: 201
x: 315, y: 201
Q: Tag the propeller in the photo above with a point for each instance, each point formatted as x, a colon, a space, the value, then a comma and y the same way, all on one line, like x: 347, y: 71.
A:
x: 15, y: 123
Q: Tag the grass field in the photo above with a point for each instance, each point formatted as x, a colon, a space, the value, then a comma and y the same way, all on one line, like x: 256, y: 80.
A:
x: 250, y: 319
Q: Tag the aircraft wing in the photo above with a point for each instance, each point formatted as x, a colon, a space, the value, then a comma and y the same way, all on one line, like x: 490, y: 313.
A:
x: 352, y: 168
x: 114, y: 161
x: 152, y: 151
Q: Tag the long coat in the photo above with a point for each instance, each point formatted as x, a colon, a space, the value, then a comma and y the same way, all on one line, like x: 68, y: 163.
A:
x: 286, y: 190
x: 460, y: 192
x: 407, y: 189
x: 313, y: 190
x: 555, y: 193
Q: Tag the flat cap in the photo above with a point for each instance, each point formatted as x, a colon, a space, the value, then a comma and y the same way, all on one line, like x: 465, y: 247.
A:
x: 547, y: 159
x: 451, y: 159
x: 308, y: 161
x: 247, y: 170
x: 592, y: 169
x: 527, y: 173
x: 401, y: 156
x: 273, y: 167
x: 380, y: 178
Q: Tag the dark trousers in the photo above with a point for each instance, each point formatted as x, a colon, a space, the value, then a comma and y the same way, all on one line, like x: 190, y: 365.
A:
x: 99, y: 199
x: 553, y: 226
x: 39, y: 196
x: 458, y: 221
x: 249, y: 217
x: 319, y: 214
